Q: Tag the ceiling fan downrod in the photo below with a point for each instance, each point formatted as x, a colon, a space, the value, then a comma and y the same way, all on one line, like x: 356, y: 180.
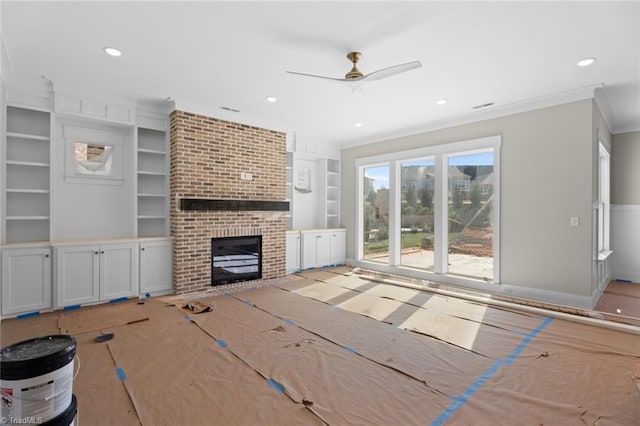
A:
x: 354, y: 57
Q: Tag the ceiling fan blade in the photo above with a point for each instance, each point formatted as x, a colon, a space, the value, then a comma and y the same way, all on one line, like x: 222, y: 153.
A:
x: 339, y: 80
x: 393, y: 70
x: 352, y: 83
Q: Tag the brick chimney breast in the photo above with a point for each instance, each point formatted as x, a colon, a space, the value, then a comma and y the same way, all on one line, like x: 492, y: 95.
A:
x: 222, y: 160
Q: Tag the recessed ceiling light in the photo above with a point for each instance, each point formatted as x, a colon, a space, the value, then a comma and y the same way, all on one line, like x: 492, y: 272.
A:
x: 441, y: 101
x: 271, y: 99
x: 112, y: 51
x: 358, y: 124
x: 586, y: 62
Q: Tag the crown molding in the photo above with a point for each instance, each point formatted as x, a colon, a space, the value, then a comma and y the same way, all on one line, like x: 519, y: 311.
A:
x: 498, y: 111
x: 602, y: 102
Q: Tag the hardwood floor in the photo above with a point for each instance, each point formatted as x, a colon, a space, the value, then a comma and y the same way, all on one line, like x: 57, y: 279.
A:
x: 621, y: 299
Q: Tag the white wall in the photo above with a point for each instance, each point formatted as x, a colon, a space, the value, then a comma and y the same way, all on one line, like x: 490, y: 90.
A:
x: 546, y: 178
x: 92, y: 210
x: 306, y: 205
x: 625, y: 211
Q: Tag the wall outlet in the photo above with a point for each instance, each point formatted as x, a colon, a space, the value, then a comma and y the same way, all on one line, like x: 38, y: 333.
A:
x: 575, y: 221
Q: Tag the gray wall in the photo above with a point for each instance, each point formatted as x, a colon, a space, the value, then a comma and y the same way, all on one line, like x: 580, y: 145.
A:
x: 546, y: 177
x: 625, y: 168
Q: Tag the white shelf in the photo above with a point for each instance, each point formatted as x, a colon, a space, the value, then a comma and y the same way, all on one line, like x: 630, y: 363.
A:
x: 28, y: 136
x: 151, y: 151
x: 27, y: 163
x: 27, y: 217
x: 27, y: 191
x: 151, y: 195
x: 144, y: 172
x: 330, y: 192
x: 152, y: 207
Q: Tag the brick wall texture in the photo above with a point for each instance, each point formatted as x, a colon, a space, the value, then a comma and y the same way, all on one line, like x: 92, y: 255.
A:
x: 206, y: 159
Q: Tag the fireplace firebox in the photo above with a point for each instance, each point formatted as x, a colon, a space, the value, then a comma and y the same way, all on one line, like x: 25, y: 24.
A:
x: 236, y: 259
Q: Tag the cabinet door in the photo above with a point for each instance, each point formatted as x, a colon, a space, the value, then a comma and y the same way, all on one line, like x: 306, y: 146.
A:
x: 156, y: 273
x: 26, y: 280
x: 118, y: 270
x: 77, y: 274
x: 323, y: 249
x: 308, y: 246
x: 293, y: 252
x: 338, y: 247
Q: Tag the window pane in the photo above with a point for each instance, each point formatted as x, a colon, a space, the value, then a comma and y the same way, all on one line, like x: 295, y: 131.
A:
x: 376, y: 214
x: 416, y: 213
x: 470, y: 221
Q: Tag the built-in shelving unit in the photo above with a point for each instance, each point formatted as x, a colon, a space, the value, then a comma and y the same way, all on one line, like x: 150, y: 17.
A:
x: 333, y: 193
x: 27, y: 165
x: 289, y: 168
x: 152, y: 209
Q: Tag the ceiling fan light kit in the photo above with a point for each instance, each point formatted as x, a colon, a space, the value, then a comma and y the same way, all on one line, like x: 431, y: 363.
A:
x: 356, y: 79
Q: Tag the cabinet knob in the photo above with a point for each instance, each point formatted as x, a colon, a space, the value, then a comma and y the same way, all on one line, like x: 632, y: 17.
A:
x: 46, y: 255
x: 318, y: 236
x: 142, y: 249
x: 102, y: 252
x: 95, y: 252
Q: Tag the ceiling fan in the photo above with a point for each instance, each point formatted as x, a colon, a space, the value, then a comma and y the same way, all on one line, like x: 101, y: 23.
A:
x: 355, y: 78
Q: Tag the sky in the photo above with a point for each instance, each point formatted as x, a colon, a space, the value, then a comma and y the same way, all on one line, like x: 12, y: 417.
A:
x: 380, y: 174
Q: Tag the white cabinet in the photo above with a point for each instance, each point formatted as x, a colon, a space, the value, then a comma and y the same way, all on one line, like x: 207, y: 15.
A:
x: 152, y: 199
x: 95, y: 272
x: 26, y: 279
x: 324, y: 247
x: 27, y: 187
x: 293, y: 251
x: 156, y: 272
x: 338, y: 246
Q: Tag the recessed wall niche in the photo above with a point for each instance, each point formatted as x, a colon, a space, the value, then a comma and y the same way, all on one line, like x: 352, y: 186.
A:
x: 93, y: 156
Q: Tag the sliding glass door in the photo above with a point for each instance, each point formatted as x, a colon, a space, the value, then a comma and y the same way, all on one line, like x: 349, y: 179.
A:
x: 417, y: 186
x: 433, y: 210
x: 470, y: 215
x: 375, y: 214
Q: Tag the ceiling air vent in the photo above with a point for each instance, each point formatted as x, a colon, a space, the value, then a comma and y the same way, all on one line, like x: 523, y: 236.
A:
x: 482, y: 106
x: 226, y: 108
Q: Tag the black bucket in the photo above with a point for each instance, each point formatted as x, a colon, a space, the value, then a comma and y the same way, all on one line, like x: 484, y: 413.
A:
x: 38, y: 372
x: 67, y: 417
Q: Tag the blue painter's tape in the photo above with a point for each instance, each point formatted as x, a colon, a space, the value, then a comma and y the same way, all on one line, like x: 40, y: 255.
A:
x: 28, y: 315
x: 118, y: 300
x: 349, y: 349
x: 277, y: 386
x: 147, y: 295
x: 221, y: 343
x: 288, y: 321
x: 459, y: 401
x: 71, y: 308
x: 248, y: 303
x: 527, y: 339
x: 620, y: 280
x: 226, y: 293
x: 187, y: 318
x: 120, y: 373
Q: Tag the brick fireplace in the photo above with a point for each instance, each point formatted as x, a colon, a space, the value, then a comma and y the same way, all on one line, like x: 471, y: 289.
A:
x: 225, y: 179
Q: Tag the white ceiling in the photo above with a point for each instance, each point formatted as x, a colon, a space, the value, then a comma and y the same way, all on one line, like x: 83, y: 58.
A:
x: 207, y: 54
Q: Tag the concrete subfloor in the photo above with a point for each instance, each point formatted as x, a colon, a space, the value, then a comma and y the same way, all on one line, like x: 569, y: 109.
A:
x: 459, y: 264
